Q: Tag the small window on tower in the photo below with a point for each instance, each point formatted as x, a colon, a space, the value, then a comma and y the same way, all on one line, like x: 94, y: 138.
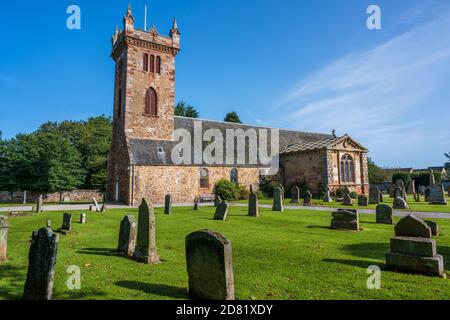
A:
x: 145, y: 62
x: 152, y: 63
x: 158, y: 65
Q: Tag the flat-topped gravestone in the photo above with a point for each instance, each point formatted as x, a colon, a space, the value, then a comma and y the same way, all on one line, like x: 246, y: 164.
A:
x: 41, y: 265
x: 127, y: 236
x: 168, y: 204
x: 374, y: 195
x: 4, y: 227
x: 347, y: 201
x: 411, y: 187
x: 307, y: 200
x: 83, y: 218
x: 295, y: 195
x: 327, y: 197
x: 437, y: 195
x: 253, y: 210
x: 221, y: 211
x: 433, y: 226
x: 345, y: 220
x: 209, y: 266
x: 277, y: 200
x: 363, y: 201
x: 413, y: 250
x: 384, y: 214
x: 66, y: 224
x: 146, y: 250
x: 400, y: 203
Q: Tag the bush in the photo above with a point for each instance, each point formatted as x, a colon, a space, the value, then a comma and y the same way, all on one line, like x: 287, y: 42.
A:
x: 406, y: 177
x: 228, y: 190
x: 353, y: 195
x: 259, y: 194
x: 243, y: 192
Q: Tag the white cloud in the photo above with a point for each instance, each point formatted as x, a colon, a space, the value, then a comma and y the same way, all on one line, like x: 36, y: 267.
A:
x: 379, y: 96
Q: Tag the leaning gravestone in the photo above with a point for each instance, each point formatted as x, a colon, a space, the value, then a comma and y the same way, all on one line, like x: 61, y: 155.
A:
x: 400, y: 203
x: 307, y: 200
x: 413, y: 250
x: 127, y: 236
x: 221, y: 211
x: 295, y: 195
x: 209, y: 266
x: 41, y: 265
x: 168, y: 204
x: 146, y: 250
x: 411, y: 187
x: 67, y: 224
x: 392, y: 191
x: 96, y: 206
x: 384, y: 214
x: 277, y: 200
x: 347, y: 201
x: 345, y: 220
x: 83, y: 218
x: 437, y: 195
x: 327, y: 197
x: 433, y: 226
x: 4, y: 227
x: 374, y: 195
x: 363, y: 201
x: 253, y: 210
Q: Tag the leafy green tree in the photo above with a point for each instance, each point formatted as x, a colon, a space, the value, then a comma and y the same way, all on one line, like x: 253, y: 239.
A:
x: 376, y: 174
x: 232, y: 117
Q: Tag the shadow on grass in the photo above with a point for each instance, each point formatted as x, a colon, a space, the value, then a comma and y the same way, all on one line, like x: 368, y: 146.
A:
x: 13, y: 280
x: 354, y: 263
x: 319, y: 227
x: 99, y: 251
x: 80, y: 295
x: 155, y: 289
x: 368, y: 250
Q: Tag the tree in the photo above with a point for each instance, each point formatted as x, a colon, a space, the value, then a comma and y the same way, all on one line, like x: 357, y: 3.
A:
x: 232, y: 117
x: 191, y: 112
x: 184, y: 110
x: 376, y: 174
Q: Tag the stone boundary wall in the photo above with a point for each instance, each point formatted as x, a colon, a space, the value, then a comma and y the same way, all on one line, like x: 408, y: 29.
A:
x: 67, y: 196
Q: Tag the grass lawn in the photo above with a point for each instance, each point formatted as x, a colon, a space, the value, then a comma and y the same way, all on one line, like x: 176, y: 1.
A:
x: 290, y: 255
x: 414, y: 206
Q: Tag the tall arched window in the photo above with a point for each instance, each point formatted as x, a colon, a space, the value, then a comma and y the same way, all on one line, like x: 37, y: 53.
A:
x: 234, y: 175
x: 152, y: 63
x: 204, y: 178
x: 158, y: 65
x: 145, y: 62
x: 347, y: 169
x: 151, y: 102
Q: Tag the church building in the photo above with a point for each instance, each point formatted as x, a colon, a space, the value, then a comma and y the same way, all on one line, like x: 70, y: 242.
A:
x: 141, y: 161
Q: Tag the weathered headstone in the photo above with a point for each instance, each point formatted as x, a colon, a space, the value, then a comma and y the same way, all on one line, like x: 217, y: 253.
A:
x: 295, y: 195
x: 209, y: 266
x: 97, y: 207
x: 221, y: 211
x: 384, y: 214
x: 41, y: 265
x: 399, y: 192
x: 347, y: 201
x: 433, y: 226
x: 413, y: 250
x: 400, y: 203
x: 411, y: 187
x: 392, y: 191
x: 168, y: 204
x: 328, y: 197
x: 4, y: 227
x: 83, y: 218
x: 363, y: 201
x: 345, y: 220
x: 127, y: 236
x: 277, y: 200
x: 374, y: 195
x: 307, y: 200
x: 66, y: 224
x: 253, y: 209
x: 39, y: 204
x: 146, y: 250
x: 437, y: 195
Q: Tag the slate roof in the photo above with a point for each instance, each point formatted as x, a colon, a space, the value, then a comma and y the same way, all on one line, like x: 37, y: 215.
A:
x: 155, y: 152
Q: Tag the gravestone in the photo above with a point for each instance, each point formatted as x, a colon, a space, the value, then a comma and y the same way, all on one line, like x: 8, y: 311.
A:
x: 83, y: 218
x: 41, y: 265
x: 253, y: 209
x: 217, y: 200
x: 66, y: 224
x: 374, y: 195
x: 345, y: 220
x: 363, y: 201
x: 384, y: 214
x: 328, y: 197
x: 392, y: 191
x: 307, y: 200
x: 432, y: 179
x: 103, y: 208
x: 282, y: 192
x: 4, y: 227
x: 209, y: 266
x: 49, y: 223
x: 168, y: 204
x: 400, y: 203
x: 433, y: 226
x: 399, y: 192
x: 277, y: 200
x: 221, y: 211
x: 411, y: 187
x: 127, y: 236
x: 437, y: 195
x: 39, y: 204
x: 196, y: 204
x: 146, y: 250
x: 347, y: 201
x: 295, y: 195
x: 96, y: 206
x: 413, y: 250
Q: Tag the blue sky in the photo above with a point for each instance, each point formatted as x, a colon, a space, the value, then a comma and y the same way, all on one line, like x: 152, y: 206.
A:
x: 300, y: 64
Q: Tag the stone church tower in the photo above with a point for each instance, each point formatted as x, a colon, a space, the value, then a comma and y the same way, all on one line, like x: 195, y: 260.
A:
x: 144, y: 93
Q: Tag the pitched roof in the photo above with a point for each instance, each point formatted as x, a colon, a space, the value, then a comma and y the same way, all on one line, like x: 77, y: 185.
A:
x: 325, y: 143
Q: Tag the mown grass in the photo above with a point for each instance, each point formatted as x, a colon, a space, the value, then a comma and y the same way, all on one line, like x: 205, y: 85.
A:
x: 290, y: 255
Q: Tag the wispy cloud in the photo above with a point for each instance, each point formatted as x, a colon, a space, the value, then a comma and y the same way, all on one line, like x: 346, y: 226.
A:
x: 378, y: 96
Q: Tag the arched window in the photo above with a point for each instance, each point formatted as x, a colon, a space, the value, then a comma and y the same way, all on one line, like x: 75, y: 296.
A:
x: 145, y: 62
x: 234, y: 175
x: 347, y: 169
x: 204, y: 178
x: 152, y: 63
x: 151, y: 102
x: 158, y: 65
